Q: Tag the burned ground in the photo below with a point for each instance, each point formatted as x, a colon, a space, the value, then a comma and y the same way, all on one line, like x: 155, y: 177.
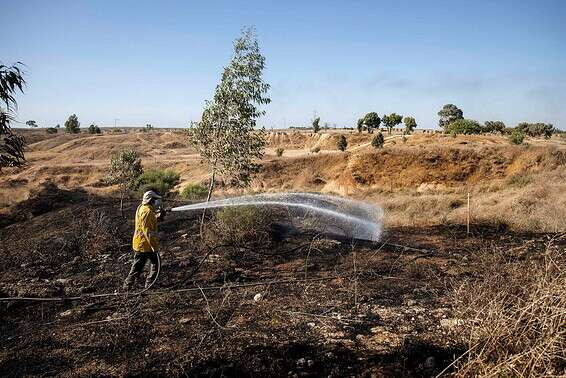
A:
x: 305, y: 306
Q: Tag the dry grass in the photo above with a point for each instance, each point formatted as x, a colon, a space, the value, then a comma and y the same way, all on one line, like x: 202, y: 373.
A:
x: 515, y: 318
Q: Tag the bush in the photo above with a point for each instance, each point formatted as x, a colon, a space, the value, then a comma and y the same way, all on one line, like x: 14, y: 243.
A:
x: 378, y: 140
x: 241, y: 225
x: 342, y: 143
x: 464, y: 126
x: 517, y: 137
x: 194, y: 192
x: 93, y: 129
x: 279, y: 151
x: 158, y: 180
x: 315, y: 149
x: 536, y: 129
x: 51, y: 130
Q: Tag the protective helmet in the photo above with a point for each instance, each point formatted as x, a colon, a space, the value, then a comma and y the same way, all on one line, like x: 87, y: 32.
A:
x: 149, y: 195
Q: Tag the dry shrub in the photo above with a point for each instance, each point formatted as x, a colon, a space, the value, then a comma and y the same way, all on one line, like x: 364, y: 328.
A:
x: 241, y: 226
x: 515, y: 317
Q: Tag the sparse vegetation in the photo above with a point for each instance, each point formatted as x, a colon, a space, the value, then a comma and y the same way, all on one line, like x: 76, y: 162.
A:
x: 315, y: 149
x: 72, y: 125
x: 342, y: 143
x: 494, y: 127
x: 194, y: 192
x: 11, y: 144
x: 316, y: 125
x: 161, y: 181
x: 279, y: 151
x: 52, y: 130
x: 536, y: 129
x: 240, y: 226
x: 125, y: 170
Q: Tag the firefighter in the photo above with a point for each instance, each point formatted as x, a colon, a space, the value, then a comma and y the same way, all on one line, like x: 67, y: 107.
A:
x: 144, y: 242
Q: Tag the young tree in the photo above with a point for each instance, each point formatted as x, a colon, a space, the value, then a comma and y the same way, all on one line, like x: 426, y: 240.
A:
x: 11, y: 143
x: 448, y: 114
x: 31, y: 123
x: 392, y: 120
x: 124, y: 171
x: 494, y: 127
x: 72, y: 125
x: 463, y: 126
x: 360, y: 125
x: 316, y: 124
x: 378, y: 140
x: 342, y: 143
x: 226, y: 137
x: 371, y: 120
x: 410, y: 124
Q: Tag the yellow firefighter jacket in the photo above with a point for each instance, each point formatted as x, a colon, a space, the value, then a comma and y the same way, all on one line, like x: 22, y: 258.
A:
x: 145, y: 234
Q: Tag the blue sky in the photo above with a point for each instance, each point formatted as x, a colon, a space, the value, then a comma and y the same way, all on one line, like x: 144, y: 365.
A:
x: 158, y: 61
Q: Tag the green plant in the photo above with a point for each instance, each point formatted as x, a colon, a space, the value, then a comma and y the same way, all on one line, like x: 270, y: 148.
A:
x: 342, y: 143
x: 158, y: 180
x: 240, y: 226
x: 316, y: 124
x: 72, y: 125
x: 94, y: 129
x: 315, y: 149
x: 391, y: 120
x: 464, y: 126
x: 378, y: 140
x: 226, y: 136
x: 11, y: 144
x: 448, y: 114
x: 371, y: 121
x: 279, y: 151
x: 125, y: 170
x: 31, y: 123
x: 517, y: 137
x: 410, y: 124
x: 536, y: 129
x: 194, y: 192
x: 360, y: 125
x: 494, y: 127
x: 51, y: 130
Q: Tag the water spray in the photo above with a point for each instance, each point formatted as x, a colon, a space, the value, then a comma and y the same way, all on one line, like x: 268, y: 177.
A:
x: 346, y: 217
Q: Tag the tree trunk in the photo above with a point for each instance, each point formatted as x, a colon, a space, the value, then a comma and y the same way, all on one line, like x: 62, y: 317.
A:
x: 210, y: 189
x: 121, y: 205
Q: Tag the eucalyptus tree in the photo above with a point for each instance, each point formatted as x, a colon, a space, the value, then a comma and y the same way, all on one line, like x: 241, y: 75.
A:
x: 448, y: 114
x: 371, y: 121
x: 316, y: 125
x: 72, y: 124
x: 226, y: 136
x: 11, y: 143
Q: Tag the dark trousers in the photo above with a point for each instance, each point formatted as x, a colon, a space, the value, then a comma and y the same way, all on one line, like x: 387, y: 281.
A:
x: 140, y: 258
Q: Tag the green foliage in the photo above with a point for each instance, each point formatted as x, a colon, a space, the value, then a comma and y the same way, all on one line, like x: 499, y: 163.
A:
x: 517, y: 137
x: 158, y: 180
x: 342, y: 143
x: 194, y: 192
x: 316, y: 124
x: 360, y: 125
x: 494, y: 127
x: 463, y: 126
x: 148, y: 127
x: 52, y: 130
x: 410, y: 124
x: 392, y: 120
x: 31, y: 123
x: 11, y: 144
x: 536, y: 129
x: 378, y: 140
x: 93, y: 129
x: 72, y: 125
x: 226, y: 137
x: 279, y: 151
x: 124, y: 171
x: 448, y: 114
x: 371, y: 121
x: 315, y: 149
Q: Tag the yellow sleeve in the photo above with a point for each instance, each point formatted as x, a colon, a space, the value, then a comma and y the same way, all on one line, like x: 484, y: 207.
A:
x: 149, y: 229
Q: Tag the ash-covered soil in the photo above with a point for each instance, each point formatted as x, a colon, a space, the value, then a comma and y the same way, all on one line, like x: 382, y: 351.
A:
x: 304, y: 305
